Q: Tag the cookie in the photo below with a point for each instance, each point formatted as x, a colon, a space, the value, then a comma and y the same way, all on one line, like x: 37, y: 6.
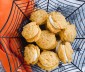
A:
x: 39, y: 16
x: 47, y: 40
x: 31, y: 32
x: 48, y: 60
x: 65, y: 52
x: 69, y: 33
x: 56, y: 21
x: 31, y: 54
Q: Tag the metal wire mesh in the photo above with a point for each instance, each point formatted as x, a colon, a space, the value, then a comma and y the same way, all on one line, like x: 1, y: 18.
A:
x: 74, y: 14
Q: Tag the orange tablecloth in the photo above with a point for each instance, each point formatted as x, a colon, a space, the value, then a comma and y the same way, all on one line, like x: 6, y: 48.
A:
x: 11, y: 59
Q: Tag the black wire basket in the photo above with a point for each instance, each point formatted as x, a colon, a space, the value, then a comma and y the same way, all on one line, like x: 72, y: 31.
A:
x: 74, y: 13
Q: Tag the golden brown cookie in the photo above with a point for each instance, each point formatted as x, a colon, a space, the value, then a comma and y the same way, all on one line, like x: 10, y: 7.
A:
x: 39, y: 16
x: 48, y: 60
x: 47, y: 40
x: 69, y: 33
x: 56, y: 21
x: 31, y: 32
x: 65, y: 52
x: 31, y: 54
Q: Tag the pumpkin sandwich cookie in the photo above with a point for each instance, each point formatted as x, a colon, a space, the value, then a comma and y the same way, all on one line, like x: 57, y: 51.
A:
x: 69, y: 33
x: 31, y: 54
x: 48, y: 60
x: 39, y: 16
x: 65, y: 52
x: 56, y: 21
x: 47, y: 40
x: 31, y: 32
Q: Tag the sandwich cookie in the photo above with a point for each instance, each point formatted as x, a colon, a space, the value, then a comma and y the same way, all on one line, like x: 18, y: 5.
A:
x: 47, y: 40
x: 56, y: 21
x: 48, y: 60
x: 69, y: 33
x: 31, y: 32
x: 39, y: 16
x: 31, y: 54
x: 65, y: 52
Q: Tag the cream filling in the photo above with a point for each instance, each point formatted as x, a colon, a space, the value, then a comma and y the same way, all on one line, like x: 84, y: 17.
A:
x: 35, y: 56
x: 52, y: 22
x: 65, y: 53
x: 58, y: 45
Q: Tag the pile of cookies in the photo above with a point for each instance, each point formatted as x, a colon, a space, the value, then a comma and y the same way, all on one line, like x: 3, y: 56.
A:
x: 49, y: 50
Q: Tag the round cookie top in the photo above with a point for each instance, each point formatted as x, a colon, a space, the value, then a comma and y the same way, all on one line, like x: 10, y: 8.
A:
x: 39, y: 16
x: 48, y: 58
x: 47, y: 40
x: 69, y: 33
x: 31, y: 53
x: 57, y: 20
x: 30, y: 30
